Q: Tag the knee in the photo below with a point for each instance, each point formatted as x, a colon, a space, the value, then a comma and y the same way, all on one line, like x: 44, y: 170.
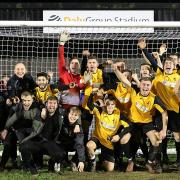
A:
x: 177, y: 137
x: 109, y: 167
x: 155, y: 143
x: 90, y: 146
x: 125, y: 139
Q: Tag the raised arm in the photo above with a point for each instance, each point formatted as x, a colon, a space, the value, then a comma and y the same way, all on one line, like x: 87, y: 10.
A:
x: 85, y: 54
x: 64, y: 37
x: 142, y: 46
x: 121, y: 76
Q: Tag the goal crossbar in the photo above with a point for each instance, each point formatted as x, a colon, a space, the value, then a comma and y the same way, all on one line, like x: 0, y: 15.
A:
x: 174, y: 24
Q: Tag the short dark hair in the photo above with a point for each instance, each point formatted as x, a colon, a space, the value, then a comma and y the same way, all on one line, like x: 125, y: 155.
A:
x: 92, y: 57
x: 52, y: 98
x: 168, y: 59
x: 26, y: 93
x: 42, y: 74
x: 119, y: 60
x: 146, y: 64
x: 146, y: 79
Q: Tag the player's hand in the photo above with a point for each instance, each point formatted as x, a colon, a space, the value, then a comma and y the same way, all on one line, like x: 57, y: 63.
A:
x: 44, y: 113
x: 162, y: 49
x: 77, y: 129
x: 87, y: 77
x: 8, y: 102
x: 142, y: 43
x: 135, y: 76
x: 155, y: 55
x: 109, y: 62
x: 4, y: 134
x: 86, y: 52
x: 115, y: 138
x: 80, y: 166
x: 162, y: 134
x: 72, y: 85
x: 64, y: 37
x: 50, y: 74
x: 114, y: 67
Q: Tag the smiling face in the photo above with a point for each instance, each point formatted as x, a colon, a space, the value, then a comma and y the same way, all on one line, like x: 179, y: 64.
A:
x: 42, y: 82
x: 51, y: 106
x: 73, y: 116
x: 168, y: 66
x: 20, y: 70
x: 92, y: 65
x: 145, y: 71
x: 74, y: 66
x: 27, y: 102
x: 110, y: 106
x: 145, y: 87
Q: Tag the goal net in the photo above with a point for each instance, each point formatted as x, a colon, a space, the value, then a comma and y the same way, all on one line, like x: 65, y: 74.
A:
x: 39, y: 50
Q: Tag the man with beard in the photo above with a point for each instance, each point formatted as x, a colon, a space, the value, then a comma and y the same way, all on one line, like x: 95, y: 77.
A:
x: 47, y: 139
x: 44, y: 89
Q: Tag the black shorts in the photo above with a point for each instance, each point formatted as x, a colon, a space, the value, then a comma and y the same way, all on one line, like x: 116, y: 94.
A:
x: 106, y: 153
x: 157, y: 121
x: 143, y: 127
x: 173, y: 121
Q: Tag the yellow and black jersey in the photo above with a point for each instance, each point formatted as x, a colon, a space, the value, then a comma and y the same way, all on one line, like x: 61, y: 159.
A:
x: 123, y: 94
x: 107, y: 125
x: 96, y: 78
x: 42, y: 96
x: 163, y: 86
x: 143, y: 107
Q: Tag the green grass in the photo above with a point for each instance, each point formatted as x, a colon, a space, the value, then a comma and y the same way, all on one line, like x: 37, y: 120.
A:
x: 67, y: 175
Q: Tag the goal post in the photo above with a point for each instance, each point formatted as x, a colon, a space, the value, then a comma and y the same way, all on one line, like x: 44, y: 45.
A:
x: 35, y: 43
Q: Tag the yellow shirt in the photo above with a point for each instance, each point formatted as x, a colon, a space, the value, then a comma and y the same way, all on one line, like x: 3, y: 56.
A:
x: 107, y: 125
x: 96, y: 78
x: 163, y: 86
x: 143, y: 107
x: 43, y: 95
x: 123, y: 94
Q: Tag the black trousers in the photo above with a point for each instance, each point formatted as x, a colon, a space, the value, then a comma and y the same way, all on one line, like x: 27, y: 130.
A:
x: 31, y: 147
x: 10, y: 148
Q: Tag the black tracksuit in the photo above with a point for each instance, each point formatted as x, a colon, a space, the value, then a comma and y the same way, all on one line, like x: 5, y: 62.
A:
x: 45, y: 142
x: 71, y: 141
x: 19, y: 125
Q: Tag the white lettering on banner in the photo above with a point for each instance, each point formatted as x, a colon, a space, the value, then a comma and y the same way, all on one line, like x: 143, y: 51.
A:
x: 98, y: 16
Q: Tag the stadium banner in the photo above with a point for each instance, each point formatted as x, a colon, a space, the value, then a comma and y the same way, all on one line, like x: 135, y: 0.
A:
x: 90, y: 17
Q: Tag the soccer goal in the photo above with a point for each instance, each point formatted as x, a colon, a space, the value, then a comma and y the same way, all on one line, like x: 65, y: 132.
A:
x: 35, y: 43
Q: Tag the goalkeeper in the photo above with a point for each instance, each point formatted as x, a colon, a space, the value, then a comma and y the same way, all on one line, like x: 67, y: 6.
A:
x: 69, y: 80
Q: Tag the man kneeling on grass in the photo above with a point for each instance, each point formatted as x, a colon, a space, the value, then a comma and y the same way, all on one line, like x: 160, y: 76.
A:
x: 106, y: 132
x: 45, y: 140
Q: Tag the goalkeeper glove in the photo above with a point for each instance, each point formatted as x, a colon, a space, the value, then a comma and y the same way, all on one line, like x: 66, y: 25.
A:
x: 64, y: 37
x: 87, y: 77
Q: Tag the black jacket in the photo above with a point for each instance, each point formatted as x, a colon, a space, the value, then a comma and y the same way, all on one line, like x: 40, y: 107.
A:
x: 73, y: 141
x: 50, y: 129
x: 16, y: 85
